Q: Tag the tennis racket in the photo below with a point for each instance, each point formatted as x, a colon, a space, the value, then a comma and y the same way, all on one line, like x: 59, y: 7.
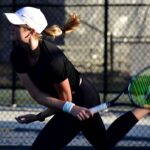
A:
x: 138, y: 90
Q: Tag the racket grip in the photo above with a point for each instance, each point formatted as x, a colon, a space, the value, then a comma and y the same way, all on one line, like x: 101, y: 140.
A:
x: 98, y: 108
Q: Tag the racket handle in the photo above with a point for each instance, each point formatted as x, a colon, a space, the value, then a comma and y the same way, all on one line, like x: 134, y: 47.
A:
x: 99, y: 108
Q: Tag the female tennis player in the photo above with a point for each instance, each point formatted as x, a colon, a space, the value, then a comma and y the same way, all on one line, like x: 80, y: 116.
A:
x: 52, y: 81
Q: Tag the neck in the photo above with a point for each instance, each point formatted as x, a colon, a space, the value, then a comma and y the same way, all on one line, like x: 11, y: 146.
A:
x: 33, y: 43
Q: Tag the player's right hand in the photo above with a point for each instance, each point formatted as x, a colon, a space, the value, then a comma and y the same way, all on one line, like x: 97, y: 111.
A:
x: 81, y: 113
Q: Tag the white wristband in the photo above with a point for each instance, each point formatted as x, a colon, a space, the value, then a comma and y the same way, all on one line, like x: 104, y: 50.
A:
x: 67, y: 107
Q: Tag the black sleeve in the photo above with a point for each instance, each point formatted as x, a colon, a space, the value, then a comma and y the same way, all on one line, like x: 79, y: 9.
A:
x: 59, y: 69
x: 18, y: 61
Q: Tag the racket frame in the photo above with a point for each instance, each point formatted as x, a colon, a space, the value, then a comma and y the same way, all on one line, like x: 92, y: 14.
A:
x: 106, y: 105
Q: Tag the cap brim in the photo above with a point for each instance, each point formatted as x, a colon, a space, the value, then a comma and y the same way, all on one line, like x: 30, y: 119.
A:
x: 13, y: 18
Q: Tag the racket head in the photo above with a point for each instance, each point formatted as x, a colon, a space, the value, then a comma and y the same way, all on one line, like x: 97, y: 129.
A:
x: 139, y: 89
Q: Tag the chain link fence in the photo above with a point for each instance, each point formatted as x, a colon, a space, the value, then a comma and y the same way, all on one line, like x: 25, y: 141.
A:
x: 127, y: 52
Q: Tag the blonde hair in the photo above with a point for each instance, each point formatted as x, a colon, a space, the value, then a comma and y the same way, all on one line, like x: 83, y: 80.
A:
x: 71, y: 24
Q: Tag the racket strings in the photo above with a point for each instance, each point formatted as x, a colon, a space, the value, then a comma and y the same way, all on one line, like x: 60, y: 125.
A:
x: 140, y: 89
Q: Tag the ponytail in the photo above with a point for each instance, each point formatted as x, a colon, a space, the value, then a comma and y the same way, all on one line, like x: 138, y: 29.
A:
x: 71, y: 24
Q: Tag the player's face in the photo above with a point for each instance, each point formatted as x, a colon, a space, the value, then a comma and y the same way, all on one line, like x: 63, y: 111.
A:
x: 19, y: 33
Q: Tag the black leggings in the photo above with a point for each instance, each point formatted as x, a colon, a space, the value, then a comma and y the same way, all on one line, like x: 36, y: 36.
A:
x: 63, y: 127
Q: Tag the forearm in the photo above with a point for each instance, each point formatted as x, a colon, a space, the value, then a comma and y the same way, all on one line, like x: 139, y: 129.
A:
x: 51, y: 111
x: 44, y: 114
x: 28, y: 118
x: 48, y: 112
x: 49, y: 102
x: 79, y: 112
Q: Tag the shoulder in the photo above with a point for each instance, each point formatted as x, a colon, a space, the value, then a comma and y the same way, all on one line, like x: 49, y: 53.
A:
x: 53, y: 51
x: 49, y: 44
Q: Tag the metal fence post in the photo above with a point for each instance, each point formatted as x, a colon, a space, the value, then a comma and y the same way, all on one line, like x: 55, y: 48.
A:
x: 13, y: 100
x: 105, y: 49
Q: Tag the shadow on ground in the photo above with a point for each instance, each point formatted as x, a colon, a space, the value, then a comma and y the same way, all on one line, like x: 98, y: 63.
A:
x: 72, y: 148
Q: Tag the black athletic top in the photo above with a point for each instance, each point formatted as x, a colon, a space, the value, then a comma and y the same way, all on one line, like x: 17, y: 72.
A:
x: 46, y: 66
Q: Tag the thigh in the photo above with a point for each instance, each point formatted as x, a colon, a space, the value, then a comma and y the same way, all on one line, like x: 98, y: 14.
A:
x: 58, y: 132
x: 94, y: 130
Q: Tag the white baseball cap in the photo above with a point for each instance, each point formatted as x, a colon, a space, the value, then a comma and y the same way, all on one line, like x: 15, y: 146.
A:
x: 33, y: 17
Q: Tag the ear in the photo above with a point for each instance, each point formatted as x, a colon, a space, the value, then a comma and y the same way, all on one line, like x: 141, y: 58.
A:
x: 31, y: 33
